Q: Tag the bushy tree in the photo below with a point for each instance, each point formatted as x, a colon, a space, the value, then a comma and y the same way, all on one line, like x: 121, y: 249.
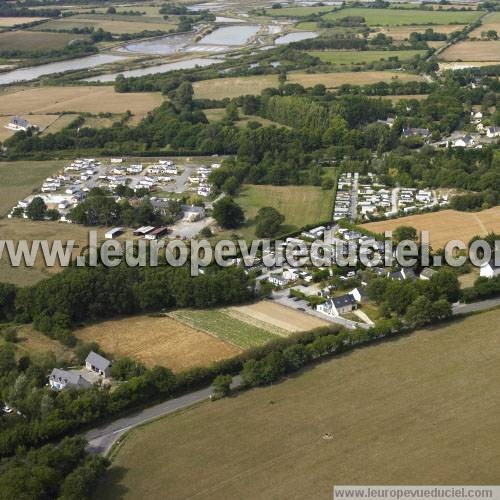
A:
x: 37, y: 209
x: 268, y: 222
x: 228, y: 213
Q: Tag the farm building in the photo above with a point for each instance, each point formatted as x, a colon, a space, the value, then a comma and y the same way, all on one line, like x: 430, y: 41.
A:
x: 142, y: 231
x: 157, y: 233
x: 113, y: 233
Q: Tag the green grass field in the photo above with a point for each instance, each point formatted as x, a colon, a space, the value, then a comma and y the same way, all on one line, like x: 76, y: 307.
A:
x: 413, y: 410
x: 234, y: 86
x: 393, y: 17
x: 298, y: 11
x: 365, y: 56
x: 301, y: 205
x: 225, y: 327
x: 32, y: 40
x: 217, y: 114
x: 18, y: 179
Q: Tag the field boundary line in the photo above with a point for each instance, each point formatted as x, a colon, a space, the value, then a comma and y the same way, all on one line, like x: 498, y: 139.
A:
x: 186, y: 321
x: 259, y: 323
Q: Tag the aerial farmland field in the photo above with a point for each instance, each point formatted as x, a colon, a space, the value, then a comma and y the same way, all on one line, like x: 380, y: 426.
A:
x: 394, y: 17
x: 18, y: 179
x: 84, y: 99
x: 333, y: 80
x: 403, y: 32
x: 384, y: 407
x: 446, y: 225
x: 114, y: 26
x: 9, y: 22
x: 297, y: 11
x: 301, y: 205
x: 480, y: 51
x: 25, y: 40
x: 234, y: 86
x: 226, y: 327
x: 364, y: 56
x: 158, y: 340
x: 281, y: 317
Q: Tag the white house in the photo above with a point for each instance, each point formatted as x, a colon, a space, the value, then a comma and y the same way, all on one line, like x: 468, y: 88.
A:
x: 98, y: 364
x: 490, y: 269
x: 64, y: 379
x: 493, y: 132
x: 359, y: 294
x: 17, y: 123
x: 338, y: 305
x: 476, y: 117
x: 466, y: 141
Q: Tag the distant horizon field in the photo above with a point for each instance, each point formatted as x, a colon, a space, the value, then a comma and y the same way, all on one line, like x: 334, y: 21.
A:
x: 80, y: 99
x: 481, y: 51
x: 411, y: 410
x: 394, y: 17
x: 117, y: 27
x: 25, y: 40
x: 336, y: 79
x: 233, y: 86
x: 362, y: 56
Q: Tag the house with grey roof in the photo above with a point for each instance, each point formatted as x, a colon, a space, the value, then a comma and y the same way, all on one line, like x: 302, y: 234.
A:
x: 192, y: 213
x: 65, y: 379
x: 425, y: 133
x: 427, y: 273
x: 98, y: 364
x: 17, y: 123
x: 405, y: 273
x: 338, y: 305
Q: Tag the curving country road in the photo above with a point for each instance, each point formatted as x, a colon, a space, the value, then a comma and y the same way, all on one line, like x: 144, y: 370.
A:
x: 101, y: 439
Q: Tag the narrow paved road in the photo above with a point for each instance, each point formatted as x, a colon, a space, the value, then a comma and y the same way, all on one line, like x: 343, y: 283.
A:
x: 476, y: 306
x: 101, y: 439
